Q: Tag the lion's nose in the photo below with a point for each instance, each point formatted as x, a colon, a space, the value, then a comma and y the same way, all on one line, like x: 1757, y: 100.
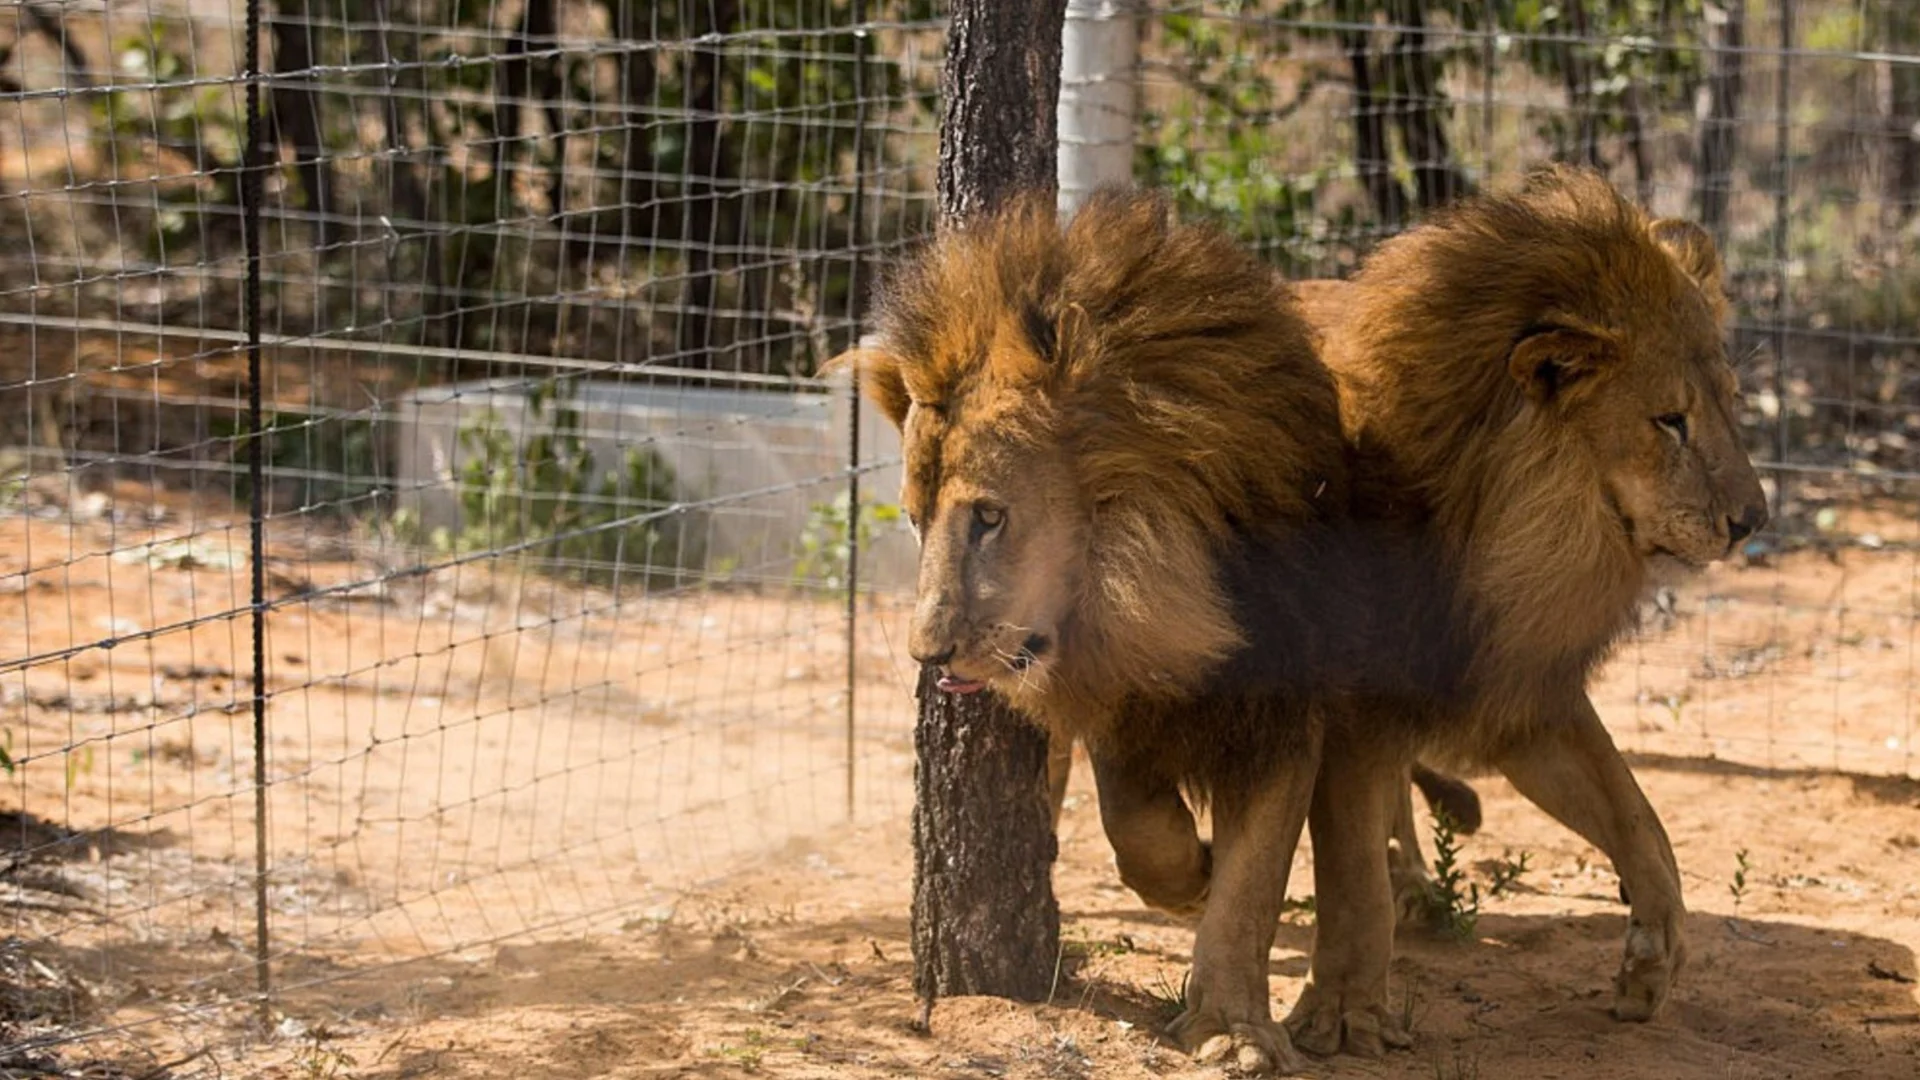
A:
x: 922, y: 654
x: 1747, y: 522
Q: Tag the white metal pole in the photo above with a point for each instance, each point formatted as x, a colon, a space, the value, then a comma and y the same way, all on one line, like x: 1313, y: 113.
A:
x: 1098, y: 49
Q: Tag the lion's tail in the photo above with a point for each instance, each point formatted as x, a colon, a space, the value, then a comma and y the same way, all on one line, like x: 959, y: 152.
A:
x: 1456, y: 797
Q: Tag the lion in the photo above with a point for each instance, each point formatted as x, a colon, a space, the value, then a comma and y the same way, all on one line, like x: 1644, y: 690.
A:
x: 1536, y: 392
x: 1123, y: 461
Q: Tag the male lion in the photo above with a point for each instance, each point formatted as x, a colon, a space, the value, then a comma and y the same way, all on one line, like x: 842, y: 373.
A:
x: 1122, y: 461
x: 1541, y: 412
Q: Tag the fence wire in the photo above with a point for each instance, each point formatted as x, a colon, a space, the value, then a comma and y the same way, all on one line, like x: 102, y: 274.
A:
x: 556, y: 600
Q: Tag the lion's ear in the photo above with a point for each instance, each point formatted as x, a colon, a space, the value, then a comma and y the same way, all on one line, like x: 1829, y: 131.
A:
x: 880, y: 379
x: 1692, y: 247
x: 1553, y: 360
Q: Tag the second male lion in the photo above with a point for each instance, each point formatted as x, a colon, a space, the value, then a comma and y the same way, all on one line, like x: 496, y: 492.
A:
x: 1536, y: 391
x: 1123, y: 460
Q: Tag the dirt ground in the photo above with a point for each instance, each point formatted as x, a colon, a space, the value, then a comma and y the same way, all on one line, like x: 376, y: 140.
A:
x: 518, y: 827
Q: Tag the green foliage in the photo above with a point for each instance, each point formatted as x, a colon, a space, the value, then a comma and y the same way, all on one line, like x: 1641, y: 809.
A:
x: 1633, y: 56
x: 1507, y: 872
x: 824, y: 546
x: 1738, y: 886
x: 197, y: 123
x: 1169, y: 1000
x: 541, y: 490
x: 1219, y: 147
x: 1454, y: 904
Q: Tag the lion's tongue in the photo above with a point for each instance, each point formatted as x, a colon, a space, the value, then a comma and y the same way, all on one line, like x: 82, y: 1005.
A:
x: 955, y: 685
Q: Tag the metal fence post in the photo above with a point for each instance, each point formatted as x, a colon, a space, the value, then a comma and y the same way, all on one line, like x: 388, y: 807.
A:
x: 1098, y: 97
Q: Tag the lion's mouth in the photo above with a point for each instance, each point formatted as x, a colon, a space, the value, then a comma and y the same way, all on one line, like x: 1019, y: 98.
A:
x: 954, y: 684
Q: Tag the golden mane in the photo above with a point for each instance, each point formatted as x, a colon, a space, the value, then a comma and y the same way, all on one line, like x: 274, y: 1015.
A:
x: 1422, y: 349
x: 1179, y: 378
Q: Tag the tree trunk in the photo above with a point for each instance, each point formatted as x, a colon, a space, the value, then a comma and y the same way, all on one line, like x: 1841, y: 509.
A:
x: 1420, y: 110
x: 1720, y: 117
x: 1900, y: 173
x: 296, y: 113
x: 639, y: 79
x: 519, y: 81
x: 1000, y: 89
x: 984, y: 917
x: 1371, y: 157
x: 707, y: 162
x: 1578, y: 76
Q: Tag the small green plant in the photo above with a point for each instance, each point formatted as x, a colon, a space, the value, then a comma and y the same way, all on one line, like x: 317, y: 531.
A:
x: 824, y: 547
x: 1454, y: 901
x: 319, y: 1062
x: 78, y: 762
x: 1410, y: 1011
x: 753, y: 1047
x: 541, y: 492
x: 1169, y: 1000
x: 1738, y: 887
x: 1507, y: 872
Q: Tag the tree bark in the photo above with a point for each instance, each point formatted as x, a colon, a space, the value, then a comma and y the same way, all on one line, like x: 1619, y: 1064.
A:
x: 1371, y: 157
x: 984, y: 916
x: 518, y: 81
x: 1900, y: 175
x: 1578, y: 76
x: 639, y: 80
x: 1420, y: 110
x: 1720, y: 118
x: 1000, y: 89
x: 707, y: 162
x: 296, y: 114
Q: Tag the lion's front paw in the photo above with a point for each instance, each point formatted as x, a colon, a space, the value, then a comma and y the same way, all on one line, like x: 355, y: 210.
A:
x: 1249, y: 1047
x: 1655, y: 953
x: 1324, y: 1023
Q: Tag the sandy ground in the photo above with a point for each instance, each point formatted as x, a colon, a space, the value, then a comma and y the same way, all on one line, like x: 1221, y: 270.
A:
x: 522, y: 827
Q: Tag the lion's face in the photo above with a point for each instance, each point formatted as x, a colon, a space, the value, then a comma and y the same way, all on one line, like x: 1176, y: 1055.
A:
x: 1673, y: 464
x: 1002, y: 542
x: 1655, y: 410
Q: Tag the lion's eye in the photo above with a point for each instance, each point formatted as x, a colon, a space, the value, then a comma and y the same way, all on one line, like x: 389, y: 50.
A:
x: 1675, y: 424
x: 987, y: 518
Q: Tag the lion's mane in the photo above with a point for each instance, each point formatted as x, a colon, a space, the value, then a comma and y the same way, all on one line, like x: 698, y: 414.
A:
x: 1183, y: 381
x: 1537, y: 578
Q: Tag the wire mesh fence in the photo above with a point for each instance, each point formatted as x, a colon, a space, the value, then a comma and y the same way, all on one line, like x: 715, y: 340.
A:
x: 558, y: 608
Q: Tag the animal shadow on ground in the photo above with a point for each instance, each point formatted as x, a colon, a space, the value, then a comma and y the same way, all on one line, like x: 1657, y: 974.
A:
x: 1526, y: 997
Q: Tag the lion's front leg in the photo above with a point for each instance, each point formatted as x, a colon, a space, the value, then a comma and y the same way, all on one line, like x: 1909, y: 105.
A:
x: 1344, y: 1005
x: 1571, y: 769
x: 1228, y: 1018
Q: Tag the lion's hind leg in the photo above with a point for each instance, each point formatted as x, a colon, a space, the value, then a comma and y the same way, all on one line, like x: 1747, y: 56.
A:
x: 1571, y: 769
x: 1156, y: 845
